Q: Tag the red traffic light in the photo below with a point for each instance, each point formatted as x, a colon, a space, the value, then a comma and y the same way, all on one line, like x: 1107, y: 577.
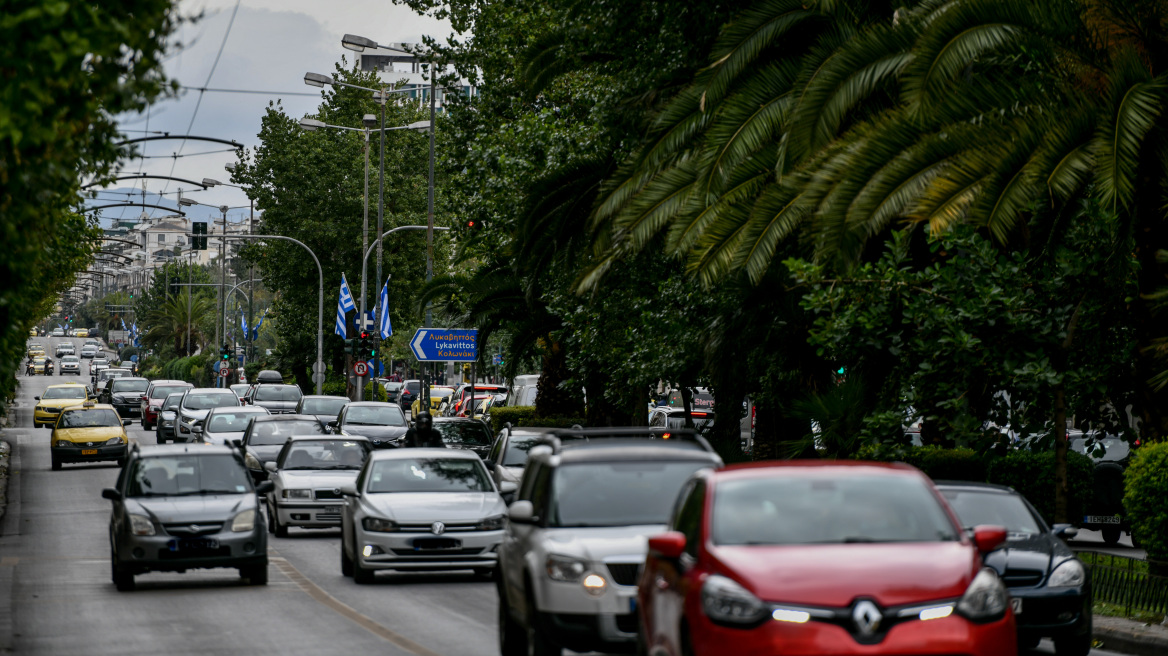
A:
x: 365, y: 334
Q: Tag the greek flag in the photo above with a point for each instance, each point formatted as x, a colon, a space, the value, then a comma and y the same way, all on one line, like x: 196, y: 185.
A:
x: 243, y: 322
x: 386, y: 326
x: 123, y: 322
x: 344, y: 304
x: 255, y: 331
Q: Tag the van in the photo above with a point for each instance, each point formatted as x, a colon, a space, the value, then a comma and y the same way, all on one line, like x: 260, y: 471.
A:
x: 523, y: 390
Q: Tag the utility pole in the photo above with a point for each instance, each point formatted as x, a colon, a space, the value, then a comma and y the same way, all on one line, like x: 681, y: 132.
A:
x: 365, y: 248
x: 249, y: 349
x: 380, y: 230
x: 430, y: 230
x: 220, y: 301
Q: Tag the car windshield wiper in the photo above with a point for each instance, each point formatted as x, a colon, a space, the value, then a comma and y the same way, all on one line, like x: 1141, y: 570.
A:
x: 342, y: 467
x: 302, y: 467
x: 195, y: 493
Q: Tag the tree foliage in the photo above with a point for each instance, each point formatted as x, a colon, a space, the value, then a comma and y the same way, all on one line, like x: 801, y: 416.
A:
x: 67, y: 68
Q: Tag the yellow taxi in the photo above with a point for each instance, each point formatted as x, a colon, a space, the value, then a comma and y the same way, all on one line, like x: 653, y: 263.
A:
x: 35, y: 350
x: 32, y: 332
x: 439, y: 397
x: 55, y: 399
x: 38, y: 364
x: 90, y: 432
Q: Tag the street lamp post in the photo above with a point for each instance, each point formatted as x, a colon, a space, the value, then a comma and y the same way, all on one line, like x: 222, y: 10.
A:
x: 318, y: 368
x: 381, y: 96
x: 359, y: 44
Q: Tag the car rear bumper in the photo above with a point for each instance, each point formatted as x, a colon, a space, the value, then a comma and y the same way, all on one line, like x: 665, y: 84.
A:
x: 953, y: 635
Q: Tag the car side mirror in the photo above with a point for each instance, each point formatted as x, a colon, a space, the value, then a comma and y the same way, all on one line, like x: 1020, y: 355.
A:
x: 237, y: 443
x: 111, y: 494
x: 988, y: 538
x: 668, y: 545
x: 1065, y: 531
x: 127, y: 422
x: 508, y: 487
x: 348, y: 490
x: 263, y: 487
x: 489, y: 464
x: 37, y: 398
x: 522, y: 512
x: 270, y: 466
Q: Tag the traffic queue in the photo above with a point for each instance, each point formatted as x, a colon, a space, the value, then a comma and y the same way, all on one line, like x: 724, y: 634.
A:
x: 596, y: 539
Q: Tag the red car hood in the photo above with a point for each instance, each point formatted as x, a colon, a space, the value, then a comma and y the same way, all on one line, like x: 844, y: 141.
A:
x: 835, y: 574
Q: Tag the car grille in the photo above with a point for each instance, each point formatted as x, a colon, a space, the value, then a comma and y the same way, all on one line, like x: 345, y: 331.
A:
x: 1022, y: 578
x: 624, y: 573
x: 189, y: 528
x: 52, y: 411
x: 442, y: 554
x: 426, y: 528
x: 328, y: 494
x: 167, y: 554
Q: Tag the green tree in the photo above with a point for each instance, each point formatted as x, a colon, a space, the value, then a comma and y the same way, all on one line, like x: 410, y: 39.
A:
x: 309, y: 186
x: 67, y: 69
x: 169, y: 322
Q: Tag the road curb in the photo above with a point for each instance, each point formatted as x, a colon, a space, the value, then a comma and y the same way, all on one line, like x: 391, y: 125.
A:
x: 1130, y: 637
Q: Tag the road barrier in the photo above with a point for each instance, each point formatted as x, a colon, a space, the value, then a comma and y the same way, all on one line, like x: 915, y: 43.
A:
x: 1126, y: 583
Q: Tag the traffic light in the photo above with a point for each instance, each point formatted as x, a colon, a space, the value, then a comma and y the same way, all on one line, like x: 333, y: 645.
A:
x: 474, y: 225
x: 351, y: 346
x: 364, y: 344
x: 199, y: 236
x: 225, y: 352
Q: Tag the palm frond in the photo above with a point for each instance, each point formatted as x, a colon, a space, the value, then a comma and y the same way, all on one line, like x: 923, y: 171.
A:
x: 1135, y: 102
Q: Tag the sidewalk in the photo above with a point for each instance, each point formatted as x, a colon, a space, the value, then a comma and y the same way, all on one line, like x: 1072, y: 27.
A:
x: 5, y: 452
x: 1131, y: 637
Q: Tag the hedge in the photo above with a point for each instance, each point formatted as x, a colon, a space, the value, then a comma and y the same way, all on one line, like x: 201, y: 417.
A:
x: 1146, y: 499
x: 524, y: 415
x: 1030, y: 473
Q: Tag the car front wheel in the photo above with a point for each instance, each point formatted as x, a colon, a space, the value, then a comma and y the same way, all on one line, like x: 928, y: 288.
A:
x: 361, y: 574
x: 255, y: 574
x: 512, y: 639
x: 123, y: 578
x: 1073, y: 646
x: 538, y: 642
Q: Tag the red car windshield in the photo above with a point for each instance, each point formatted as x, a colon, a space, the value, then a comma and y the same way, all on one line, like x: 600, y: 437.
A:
x: 804, y: 509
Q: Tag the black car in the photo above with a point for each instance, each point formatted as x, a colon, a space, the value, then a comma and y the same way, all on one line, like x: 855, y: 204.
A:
x: 408, y: 392
x: 465, y: 433
x: 1104, y: 511
x: 180, y: 507
x: 277, y: 399
x: 1050, y: 589
x: 384, y: 424
x: 125, y: 395
x: 265, y: 436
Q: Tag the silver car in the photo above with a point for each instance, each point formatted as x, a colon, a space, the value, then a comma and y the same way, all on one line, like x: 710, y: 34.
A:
x: 196, y: 403
x: 420, y: 509
x: 578, y: 533
x: 71, y: 364
x: 223, y: 425
x: 308, y: 476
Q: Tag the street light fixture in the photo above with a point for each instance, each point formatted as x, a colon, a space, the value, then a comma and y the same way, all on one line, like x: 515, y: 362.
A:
x: 311, y: 124
x: 317, y: 80
x: 209, y: 182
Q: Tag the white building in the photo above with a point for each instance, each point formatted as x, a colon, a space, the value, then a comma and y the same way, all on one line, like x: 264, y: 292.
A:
x: 407, y: 71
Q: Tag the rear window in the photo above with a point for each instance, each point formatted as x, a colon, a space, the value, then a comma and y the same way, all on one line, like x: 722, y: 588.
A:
x: 278, y: 393
x: 270, y: 433
x: 815, y: 509
x: 207, y: 400
x: 617, y: 493
x: 163, y: 391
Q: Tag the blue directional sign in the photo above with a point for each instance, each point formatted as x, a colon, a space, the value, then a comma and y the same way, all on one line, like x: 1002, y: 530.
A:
x: 446, y: 344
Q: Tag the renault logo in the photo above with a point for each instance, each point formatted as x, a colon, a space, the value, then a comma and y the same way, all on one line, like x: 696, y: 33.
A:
x: 437, y: 528
x: 866, y: 617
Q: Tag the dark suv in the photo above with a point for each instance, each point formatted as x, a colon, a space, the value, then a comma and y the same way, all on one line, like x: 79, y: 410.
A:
x: 277, y: 399
x: 125, y: 395
x: 182, y: 507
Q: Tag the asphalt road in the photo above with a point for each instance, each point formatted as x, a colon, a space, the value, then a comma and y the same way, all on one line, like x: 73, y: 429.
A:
x: 56, y: 596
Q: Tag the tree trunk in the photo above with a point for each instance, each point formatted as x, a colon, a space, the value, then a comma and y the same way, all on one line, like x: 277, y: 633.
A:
x: 687, y: 405
x: 552, y: 400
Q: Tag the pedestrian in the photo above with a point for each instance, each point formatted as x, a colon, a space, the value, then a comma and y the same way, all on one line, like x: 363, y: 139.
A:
x: 423, y: 435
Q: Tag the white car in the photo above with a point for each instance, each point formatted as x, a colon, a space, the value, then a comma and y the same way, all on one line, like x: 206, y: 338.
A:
x: 88, y: 351
x: 57, y: 332
x: 223, y: 425
x: 421, y: 509
x: 308, y: 476
x: 71, y: 364
x: 196, y: 403
x: 578, y: 533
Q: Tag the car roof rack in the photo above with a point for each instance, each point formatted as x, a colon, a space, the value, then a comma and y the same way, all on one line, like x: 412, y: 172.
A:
x: 555, y: 437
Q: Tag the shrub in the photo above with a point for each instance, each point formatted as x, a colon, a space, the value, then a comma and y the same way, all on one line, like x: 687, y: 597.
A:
x: 937, y: 463
x: 1032, y: 475
x: 1146, y: 499
x: 524, y: 415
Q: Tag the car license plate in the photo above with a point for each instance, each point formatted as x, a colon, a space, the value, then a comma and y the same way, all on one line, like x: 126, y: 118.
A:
x: 193, y: 544
x: 632, y: 604
x: 1016, y: 605
x: 330, y: 510
x: 435, y: 544
x: 1102, y: 519
x: 88, y: 452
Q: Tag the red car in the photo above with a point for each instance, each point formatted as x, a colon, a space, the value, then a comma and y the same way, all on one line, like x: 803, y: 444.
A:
x: 818, y: 558
x: 151, y: 401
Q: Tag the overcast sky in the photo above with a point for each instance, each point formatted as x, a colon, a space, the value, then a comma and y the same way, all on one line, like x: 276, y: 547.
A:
x: 271, y: 44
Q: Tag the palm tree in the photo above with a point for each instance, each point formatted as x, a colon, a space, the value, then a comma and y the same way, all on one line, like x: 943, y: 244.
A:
x: 169, y: 321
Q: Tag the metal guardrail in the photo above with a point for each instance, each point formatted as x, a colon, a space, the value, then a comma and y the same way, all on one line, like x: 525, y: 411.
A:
x: 1126, y: 583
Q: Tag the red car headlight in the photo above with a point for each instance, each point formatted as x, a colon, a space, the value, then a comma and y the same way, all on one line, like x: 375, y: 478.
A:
x: 727, y: 602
